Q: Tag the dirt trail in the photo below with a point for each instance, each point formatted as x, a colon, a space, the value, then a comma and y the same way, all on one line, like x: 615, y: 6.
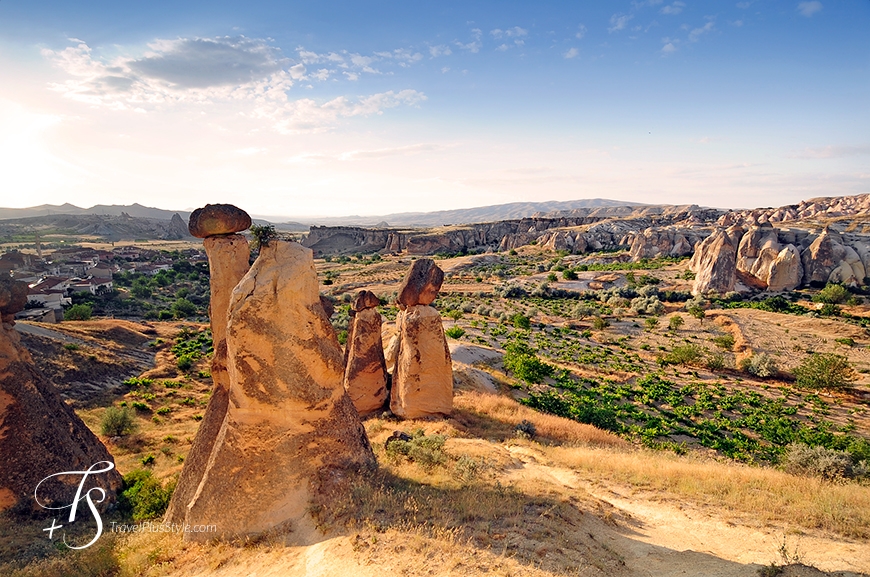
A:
x: 669, y: 538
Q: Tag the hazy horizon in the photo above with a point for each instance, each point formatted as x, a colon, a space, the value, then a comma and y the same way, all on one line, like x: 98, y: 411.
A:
x: 350, y: 108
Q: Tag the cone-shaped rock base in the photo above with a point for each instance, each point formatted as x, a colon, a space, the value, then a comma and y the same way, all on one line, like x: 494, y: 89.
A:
x: 423, y: 377
x: 40, y: 435
x: 228, y: 262
x: 365, y: 377
x: 291, y: 434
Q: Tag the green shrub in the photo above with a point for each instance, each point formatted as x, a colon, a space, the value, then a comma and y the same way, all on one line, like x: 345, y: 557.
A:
x: 184, y: 362
x: 688, y: 354
x: 715, y: 361
x: 521, y: 321
x: 426, y: 451
x: 675, y: 322
x: 140, y: 406
x: 725, y: 341
x: 80, y: 312
x: 117, y: 422
x: 829, y: 310
x: 552, y: 277
x: 569, y: 274
x: 262, y: 235
x: 651, y: 323
x: 832, y: 294
x: 144, y: 497
x: 599, y: 324
x: 825, y: 371
x: 454, y: 332
x: 71, y: 347
x: 521, y: 360
x: 761, y: 365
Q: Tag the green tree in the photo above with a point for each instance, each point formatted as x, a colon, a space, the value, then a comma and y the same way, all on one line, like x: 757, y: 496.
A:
x: 675, y: 323
x: 78, y: 313
x: 183, y: 308
x: 262, y: 235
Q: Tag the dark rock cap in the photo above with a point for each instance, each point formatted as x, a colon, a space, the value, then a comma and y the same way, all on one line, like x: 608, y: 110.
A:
x: 365, y: 300
x: 421, y: 284
x: 215, y: 219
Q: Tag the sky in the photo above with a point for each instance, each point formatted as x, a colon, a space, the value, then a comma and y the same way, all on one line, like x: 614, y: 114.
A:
x: 337, y: 108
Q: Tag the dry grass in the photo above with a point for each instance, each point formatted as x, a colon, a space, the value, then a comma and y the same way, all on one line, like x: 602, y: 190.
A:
x: 767, y: 495
x: 488, y: 415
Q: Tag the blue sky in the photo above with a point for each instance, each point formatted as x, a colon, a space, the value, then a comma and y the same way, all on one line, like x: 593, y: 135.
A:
x: 336, y: 108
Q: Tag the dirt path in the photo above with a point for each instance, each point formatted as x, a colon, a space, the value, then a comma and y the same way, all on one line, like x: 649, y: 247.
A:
x: 667, y: 538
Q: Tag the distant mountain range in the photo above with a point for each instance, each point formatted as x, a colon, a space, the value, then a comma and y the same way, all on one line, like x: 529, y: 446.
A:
x: 491, y: 213
x: 479, y: 214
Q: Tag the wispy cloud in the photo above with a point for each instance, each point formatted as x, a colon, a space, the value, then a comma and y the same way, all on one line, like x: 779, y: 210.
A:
x: 669, y: 46
x: 809, y: 8
x: 581, y: 32
x: 696, y: 33
x: 571, y: 53
x: 673, y: 9
x: 387, y: 152
x: 475, y: 45
x: 833, y: 152
x: 440, y: 50
x: 619, y: 21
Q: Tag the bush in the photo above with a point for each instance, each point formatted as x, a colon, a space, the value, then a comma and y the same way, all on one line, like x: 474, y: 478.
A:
x: 117, y: 422
x: 569, y: 274
x: 725, y: 341
x: 652, y: 323
x: 262, y: 235
x: 184, y: 362
x: 78, y: 313
x: 689, y: 354
x: 832, y: 294
x: 521, y: 360
x: 599, y: 324
x: 801, y: 459
x: 761, y: 365
x: 143, y: 497
x: 675, y: 322
x: 183, y: 308
x: 526, y: 430
x: 825, y: 371
x: 454, y: 332
x: 715, y: 361
x: 428, y: 452
x: 521, y: 321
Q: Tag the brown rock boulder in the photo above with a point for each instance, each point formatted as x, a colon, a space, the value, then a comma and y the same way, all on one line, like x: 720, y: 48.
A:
x: 291, y: 437
x: 365, y: 377
x: 228, y: 262
x: 365, y: 300
x: 40, y: 435
x: 13, y: 297
x: 423, y: 375
x: 216, y: 219
x: 422, y: 283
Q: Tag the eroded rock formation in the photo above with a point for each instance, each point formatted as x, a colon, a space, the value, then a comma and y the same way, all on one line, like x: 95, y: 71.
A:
x: 228, y: 262
x: 291, y: 435
x: 365, y: 375
x: 423, y: 373
x: 40, y: 435
x: 714, y: 261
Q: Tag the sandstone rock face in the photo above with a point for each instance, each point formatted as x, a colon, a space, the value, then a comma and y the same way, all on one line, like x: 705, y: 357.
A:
x: 786, y: 271
x: 758, y: 249
x: 215, y: 219
x: 40, y: 435
x: 291, y: 436
x: 421, y: 284
x: 228, y: 263
x: 825, y: 255
x: 714, y: 262
x: 365, y: 377
x: 657, y: 242
x: 423, y: 377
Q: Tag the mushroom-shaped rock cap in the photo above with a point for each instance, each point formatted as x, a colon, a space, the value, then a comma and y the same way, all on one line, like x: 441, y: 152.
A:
x: 421, y: 284
x: 365, y: 300
x: 215, y: 219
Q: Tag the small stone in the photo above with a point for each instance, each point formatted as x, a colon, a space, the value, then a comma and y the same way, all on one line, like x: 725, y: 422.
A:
x: 421, y: 284
x: 217, y: 219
